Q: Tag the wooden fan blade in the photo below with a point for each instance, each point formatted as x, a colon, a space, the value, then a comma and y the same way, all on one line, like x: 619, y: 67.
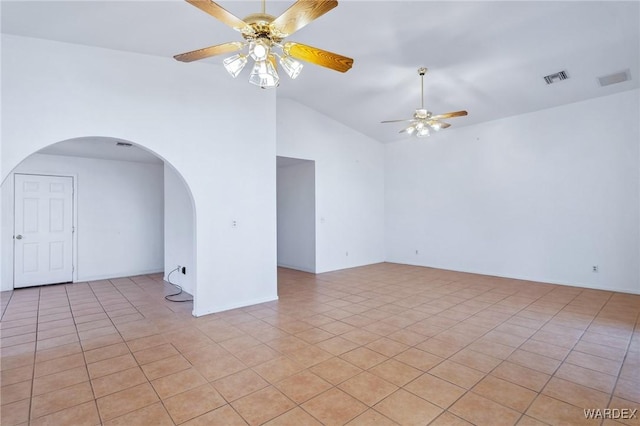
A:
x: 449, y: 115
x: 209, y: 51
x: 221, y: 14
x: 300, y: 14
x: 318, y: 56
x: 439, y: 124
x: 396, y: 121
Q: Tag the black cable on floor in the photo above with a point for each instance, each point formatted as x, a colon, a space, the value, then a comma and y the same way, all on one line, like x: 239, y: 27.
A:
x: 178, y: 287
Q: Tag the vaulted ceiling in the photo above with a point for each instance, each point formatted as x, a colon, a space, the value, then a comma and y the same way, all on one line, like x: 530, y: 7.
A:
x: 486, y: 57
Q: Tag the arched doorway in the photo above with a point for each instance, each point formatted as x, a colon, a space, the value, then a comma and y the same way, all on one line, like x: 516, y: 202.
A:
x: 133, y: 213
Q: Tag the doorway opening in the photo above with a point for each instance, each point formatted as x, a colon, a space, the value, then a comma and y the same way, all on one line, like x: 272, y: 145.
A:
x: 296, y: 205
x: 122, y: 220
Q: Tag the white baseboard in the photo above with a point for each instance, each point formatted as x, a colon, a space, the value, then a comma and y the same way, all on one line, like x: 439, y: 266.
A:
x: 114, y: 275
x: 221, y: 308
x: 297, y: 268
x: 523, y: 278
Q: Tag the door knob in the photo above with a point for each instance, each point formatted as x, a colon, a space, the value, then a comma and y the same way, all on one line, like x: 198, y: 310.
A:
x: 18, y: 237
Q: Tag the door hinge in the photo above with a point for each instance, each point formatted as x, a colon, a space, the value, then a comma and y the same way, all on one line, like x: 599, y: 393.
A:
x: 73, y: 229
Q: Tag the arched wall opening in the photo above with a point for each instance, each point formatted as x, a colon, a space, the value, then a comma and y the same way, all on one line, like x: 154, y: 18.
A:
x: 133, y: 212
x: 54, y: 91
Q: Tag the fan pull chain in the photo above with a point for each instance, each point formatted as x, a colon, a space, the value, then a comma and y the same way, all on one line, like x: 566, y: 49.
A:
x: 264, y: 6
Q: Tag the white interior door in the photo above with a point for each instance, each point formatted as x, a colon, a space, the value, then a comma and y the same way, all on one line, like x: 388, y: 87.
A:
x: 43, y: 230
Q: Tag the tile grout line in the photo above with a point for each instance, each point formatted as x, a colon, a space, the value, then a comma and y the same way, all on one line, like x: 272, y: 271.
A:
x: 287, y: 312
x: 566, y: 356
x: 86, y: 364
x: 464, y: 347
x: 6, y: 306
x: 35, y: 354
x: 615, y: 385
x: 97, y: 298
x: 467, y: 391
x: 35, y: 357
x: 513, y: 315
x: 448, y: 328
x: 136, y: 360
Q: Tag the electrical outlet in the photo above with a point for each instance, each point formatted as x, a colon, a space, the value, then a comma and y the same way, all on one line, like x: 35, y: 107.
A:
x: 594, y: 268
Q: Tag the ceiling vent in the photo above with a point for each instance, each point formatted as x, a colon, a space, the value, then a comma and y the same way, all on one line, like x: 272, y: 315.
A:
x: 553, y: 78
x: 614, y: 78
x: 124, y: 144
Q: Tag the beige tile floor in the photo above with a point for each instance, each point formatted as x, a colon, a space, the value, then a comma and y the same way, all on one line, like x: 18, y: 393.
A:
x: 376, y: 345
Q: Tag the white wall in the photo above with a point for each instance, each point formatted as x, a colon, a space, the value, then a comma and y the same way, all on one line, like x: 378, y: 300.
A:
x: 349, y: 185
x: 6, y: 229
x: 188, y: 114
x: 179, y: 230
x: 119, y: 223
x: 296, y: 215
x: 542, y: 196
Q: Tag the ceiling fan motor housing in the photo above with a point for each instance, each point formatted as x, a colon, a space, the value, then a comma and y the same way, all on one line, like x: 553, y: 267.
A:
x: 422, y: 113
x: 260, y: 23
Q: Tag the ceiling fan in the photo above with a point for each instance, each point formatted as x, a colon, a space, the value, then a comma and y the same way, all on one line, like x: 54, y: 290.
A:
x: 264, y: 35
x: 423, y: 121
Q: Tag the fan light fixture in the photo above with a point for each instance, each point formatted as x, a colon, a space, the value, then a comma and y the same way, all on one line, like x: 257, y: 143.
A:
x: 234, y: 64
x: 424, y: 122
x: 263, y: 38
x: 259, y: 49
x: 264, y: 73
x: 424, y: 125
x: 290, y: 66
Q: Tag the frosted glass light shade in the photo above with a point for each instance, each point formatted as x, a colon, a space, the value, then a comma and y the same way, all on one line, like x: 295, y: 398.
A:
x: 423, y: 132
x: 259, y: 50
x: 234, y: 64
x: 290, y: 66
x: 264, y: 75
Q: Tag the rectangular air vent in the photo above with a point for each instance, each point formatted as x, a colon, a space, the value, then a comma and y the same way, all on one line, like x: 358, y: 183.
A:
x: 553, y: 78
x: 614, y: 78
